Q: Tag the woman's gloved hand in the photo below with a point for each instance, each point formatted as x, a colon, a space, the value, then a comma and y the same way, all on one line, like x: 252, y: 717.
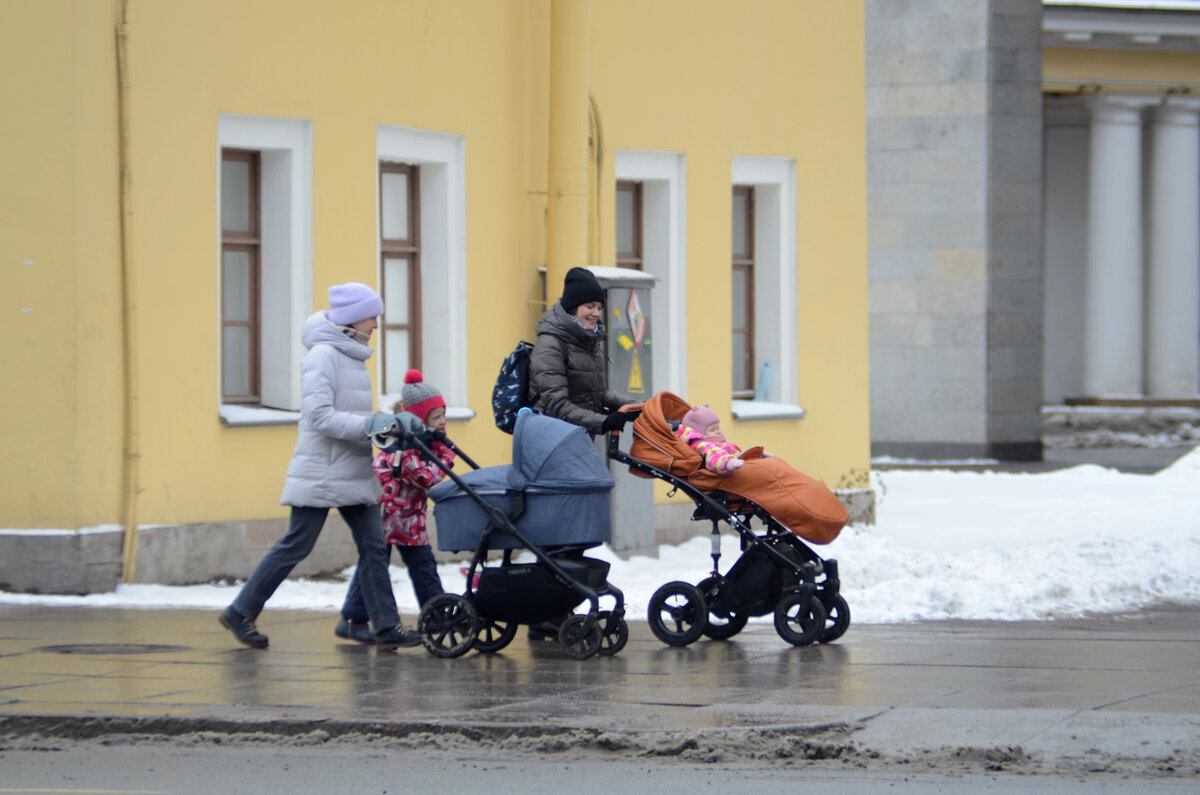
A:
x: 614, y: 422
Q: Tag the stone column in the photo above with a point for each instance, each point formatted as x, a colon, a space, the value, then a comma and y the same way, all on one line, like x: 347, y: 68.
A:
x: 1173, y: 261
x: 1113, y: 294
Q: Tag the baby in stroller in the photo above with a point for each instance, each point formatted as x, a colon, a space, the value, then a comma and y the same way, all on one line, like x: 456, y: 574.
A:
x: 777, y: 572
x: 701, y: 429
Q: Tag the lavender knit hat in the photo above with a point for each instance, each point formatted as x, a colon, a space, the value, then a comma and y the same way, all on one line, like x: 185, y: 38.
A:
x: 351, y: 302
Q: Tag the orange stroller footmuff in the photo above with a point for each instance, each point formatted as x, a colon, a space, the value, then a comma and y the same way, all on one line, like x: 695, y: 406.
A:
x: 772, y: 508
x: 801, y: 503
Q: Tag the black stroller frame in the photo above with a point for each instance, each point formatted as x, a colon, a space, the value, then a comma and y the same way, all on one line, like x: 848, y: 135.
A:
x: 451, y: 625
x: 776, y: 573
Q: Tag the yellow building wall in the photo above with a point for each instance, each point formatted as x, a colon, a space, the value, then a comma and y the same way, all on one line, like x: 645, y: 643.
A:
x: 705, y: 78
x: 1066, y: 70
x: 717, y: 80
x: 60, y: 409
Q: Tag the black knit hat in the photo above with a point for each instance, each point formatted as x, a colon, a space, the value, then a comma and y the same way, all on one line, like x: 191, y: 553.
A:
x: 580, y: 287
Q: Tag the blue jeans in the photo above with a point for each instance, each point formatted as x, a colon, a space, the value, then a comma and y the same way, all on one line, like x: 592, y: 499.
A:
x: 422, y: 570
x: 303, y: 529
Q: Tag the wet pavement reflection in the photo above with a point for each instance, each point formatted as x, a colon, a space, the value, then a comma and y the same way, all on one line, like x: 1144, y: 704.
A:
x: 990, y: 680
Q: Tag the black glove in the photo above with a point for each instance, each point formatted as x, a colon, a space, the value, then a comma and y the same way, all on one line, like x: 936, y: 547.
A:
x: 439, y: 436
x: 614, y: 422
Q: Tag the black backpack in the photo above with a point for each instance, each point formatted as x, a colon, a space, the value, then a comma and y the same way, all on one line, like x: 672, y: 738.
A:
x: 511, y: 392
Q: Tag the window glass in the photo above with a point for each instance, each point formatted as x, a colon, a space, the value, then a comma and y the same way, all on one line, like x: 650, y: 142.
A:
x: 236, y: 287
x: 739, y: 298
x: 235, y: 196
x: 625, y: 222
x: 235, y: 362
x: 395, y: 290
x: 740, y: 222
x: 394, y: 197
x: 395, y: 346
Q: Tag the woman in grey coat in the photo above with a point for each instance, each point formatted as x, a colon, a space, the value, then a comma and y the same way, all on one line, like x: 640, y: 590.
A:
x: 331, y: 468
x: 567, y: 372
x: 567, y: 367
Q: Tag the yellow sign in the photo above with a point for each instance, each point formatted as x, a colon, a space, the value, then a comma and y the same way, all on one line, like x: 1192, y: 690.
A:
x: 635, y: 377
x: 624, y: 341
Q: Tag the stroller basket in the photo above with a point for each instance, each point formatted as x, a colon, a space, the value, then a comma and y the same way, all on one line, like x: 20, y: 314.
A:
x: 532, y: 593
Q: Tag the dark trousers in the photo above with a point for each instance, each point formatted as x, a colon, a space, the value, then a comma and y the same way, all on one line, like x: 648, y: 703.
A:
x: 422, y: 570
x: 374, y: 586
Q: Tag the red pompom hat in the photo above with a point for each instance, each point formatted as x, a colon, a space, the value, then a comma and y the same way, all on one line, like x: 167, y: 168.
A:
x: 419, y: 397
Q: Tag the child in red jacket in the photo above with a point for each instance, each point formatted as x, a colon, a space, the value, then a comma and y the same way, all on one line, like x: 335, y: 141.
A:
x: 406, y: 477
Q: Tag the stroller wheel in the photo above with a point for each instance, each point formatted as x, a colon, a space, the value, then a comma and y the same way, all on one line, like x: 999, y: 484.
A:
x: 614, y: 634
x: 494, y: 635
x: 577, y: 644
x: 448, y: 625
x: 837, y: 621
x: 799, y: 619
x: 677, y: 613
x: 722, y: 623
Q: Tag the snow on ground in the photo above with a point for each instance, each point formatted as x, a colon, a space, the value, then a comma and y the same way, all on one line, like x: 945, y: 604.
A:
x: 947, y: 544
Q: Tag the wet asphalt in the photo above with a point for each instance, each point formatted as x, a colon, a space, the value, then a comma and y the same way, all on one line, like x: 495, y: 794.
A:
x: 1119, y: 687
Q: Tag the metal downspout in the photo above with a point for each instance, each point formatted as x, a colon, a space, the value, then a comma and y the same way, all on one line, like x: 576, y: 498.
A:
x: 130, y: 483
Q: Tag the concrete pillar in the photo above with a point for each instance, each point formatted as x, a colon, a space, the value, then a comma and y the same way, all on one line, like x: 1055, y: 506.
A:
x: 1173, y: 261
x: 567, y: 169
x: 1113, y: 293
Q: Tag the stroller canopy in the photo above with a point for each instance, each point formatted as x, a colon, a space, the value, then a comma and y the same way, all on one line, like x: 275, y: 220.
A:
x: 552, y: 455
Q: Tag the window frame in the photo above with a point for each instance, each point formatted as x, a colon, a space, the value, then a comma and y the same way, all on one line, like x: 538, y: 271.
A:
x: 285, y: 266
x: 744, y: 262
x: 409, y: 249
x: 776, y: 289
x: 441, y: 160
x: 663, y: 176
x: 249, y: 242
x: 634, y: 258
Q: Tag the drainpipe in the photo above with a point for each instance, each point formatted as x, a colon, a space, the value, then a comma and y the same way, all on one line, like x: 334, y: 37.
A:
x: 130, y: 484
x: 567, y: 183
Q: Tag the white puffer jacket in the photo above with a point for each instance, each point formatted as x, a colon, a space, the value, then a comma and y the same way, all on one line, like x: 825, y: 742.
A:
x: 332, y: 462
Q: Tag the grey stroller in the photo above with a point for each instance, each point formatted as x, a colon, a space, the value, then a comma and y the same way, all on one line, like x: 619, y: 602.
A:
x: 553, y: 501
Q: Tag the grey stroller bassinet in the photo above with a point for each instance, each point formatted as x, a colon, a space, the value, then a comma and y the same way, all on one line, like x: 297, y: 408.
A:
x: 553, y: 501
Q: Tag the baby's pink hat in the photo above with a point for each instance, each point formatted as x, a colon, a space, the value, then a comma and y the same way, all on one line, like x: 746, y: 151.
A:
x: 700, y: 417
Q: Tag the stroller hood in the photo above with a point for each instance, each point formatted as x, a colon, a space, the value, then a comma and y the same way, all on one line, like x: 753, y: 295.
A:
x: 552, y: 455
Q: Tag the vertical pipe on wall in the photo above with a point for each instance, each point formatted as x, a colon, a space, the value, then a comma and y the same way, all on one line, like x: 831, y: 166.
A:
x: 130, y: 484
x: 567, y: 166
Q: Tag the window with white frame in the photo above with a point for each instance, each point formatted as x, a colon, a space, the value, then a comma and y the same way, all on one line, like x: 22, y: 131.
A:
x: 768, y: 188
x: 264, y: 264
x: 651, y: 231
x: 433, y: 254
x: 400, y: 270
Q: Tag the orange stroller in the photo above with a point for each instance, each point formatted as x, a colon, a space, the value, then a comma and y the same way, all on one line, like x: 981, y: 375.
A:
x: 776, y: 571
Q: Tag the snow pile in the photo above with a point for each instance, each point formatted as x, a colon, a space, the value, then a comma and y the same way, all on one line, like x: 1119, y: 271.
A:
x: 971, y: 545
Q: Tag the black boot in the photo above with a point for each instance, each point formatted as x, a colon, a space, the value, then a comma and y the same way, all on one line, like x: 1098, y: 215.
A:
x: 242, y: 628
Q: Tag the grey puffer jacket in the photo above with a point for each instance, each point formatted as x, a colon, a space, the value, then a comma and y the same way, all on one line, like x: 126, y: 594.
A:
x: 332, y: 463
x: 574, y: 388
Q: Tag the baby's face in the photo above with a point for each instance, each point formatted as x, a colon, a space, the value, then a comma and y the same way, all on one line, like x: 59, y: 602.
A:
x: 711, y: 428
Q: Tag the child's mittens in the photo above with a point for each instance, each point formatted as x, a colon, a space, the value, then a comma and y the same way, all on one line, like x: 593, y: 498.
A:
x: 725, y: 464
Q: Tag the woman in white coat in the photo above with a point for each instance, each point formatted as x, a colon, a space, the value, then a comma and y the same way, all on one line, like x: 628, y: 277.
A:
x: 331, y: 468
